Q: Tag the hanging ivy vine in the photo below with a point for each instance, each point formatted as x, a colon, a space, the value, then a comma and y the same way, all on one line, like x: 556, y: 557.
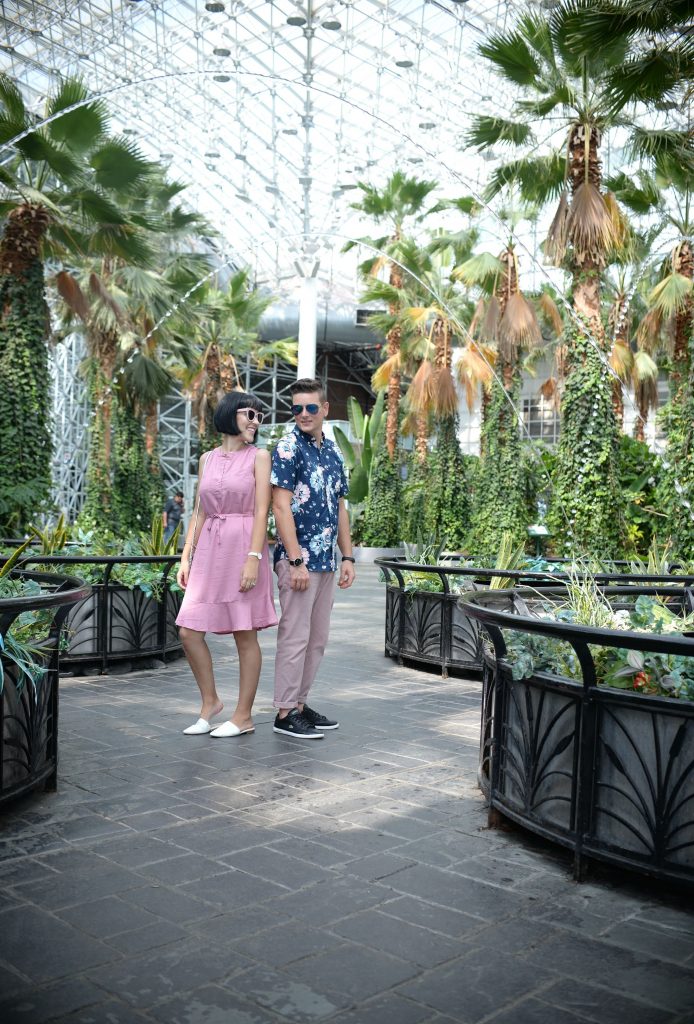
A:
x: 676, y: 491
x: 587, y: 509
x: 25, y: 451
x: 500, y: 501
x: 97, y: 501
x: 382, y: 512
x: 449, y: 503
x: 137, y: 492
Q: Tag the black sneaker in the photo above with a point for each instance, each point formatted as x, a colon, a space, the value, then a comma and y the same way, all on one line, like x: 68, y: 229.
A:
x: 319, y: 721
x: 296, y: 726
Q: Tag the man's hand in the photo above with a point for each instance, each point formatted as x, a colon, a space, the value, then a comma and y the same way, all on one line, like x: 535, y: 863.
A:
x: 347, y: 575
x: 298, y: 577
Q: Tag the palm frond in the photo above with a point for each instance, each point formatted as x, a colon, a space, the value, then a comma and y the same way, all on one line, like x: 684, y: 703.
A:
x: 551, y: 314
x: 80, y: 129
x: 660, y: 145
x: 650, y: 330
x: 622, y: 360
x: 420, y: 394
x: 39, y: 148
x: 558, y: 234
x: 146, y: 379
x: 100, y: 292
x: 518, y: 327
x: 483, y: 270
x: 564, y: 96
x: 96, y: 207
x: 622, y: 237
x: 645, y: 369
x: 445, y: 395
x: 589, y: 223
x: 71, y: 294
x: 489, y: 329
x: 477, y: 316
x: 641, y: 197
x: 119, y: 165
x: 512, y: 57
x: 539, y: 178
x: 670, y: 295
x: 648, y: 77
x: 487, y: 131
x: 12, y: 100
x: 391, y: 367
x: 472, y: 371
x: 551, y: 392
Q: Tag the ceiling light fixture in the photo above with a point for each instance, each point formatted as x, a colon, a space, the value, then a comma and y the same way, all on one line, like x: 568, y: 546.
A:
x: 426, y: 125
x: 221, y: 51
x: 405, y: 62
x: 332, y: 24
x: 212, y: 155
x: 297, y: 20
x: 214, y: 7
x: 221, y: 78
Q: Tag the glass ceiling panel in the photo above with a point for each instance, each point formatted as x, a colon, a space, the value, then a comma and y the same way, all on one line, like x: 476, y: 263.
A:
x: 272, y: 110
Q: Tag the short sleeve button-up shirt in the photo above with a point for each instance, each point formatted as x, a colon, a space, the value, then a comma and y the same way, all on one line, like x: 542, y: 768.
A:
x: 316, y: 477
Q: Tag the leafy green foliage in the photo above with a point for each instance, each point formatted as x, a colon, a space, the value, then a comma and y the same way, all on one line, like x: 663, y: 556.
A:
x: 138, y: 493
x: 382, y: 513
x: 499, y: 505
x: 587, y: 508
x: 449, y: 498
x: 676, y: 490
x: 25, y: 452
x: 640, y: 471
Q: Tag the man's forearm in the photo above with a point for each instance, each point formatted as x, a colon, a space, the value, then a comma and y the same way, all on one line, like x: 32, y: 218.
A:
x: 286, y: 528
x: 344, y: 539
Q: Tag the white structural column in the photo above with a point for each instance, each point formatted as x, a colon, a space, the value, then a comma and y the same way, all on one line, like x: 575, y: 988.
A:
x: 308, y: 323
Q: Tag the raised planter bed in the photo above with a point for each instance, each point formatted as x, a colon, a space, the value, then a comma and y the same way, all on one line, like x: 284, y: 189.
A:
x: 606, y: 772
x: 29, y: 711
x: 117, y: 624
x: 430, y: 628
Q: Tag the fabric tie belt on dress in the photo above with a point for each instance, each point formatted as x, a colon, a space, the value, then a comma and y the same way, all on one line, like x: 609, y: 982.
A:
x: 219, y: 517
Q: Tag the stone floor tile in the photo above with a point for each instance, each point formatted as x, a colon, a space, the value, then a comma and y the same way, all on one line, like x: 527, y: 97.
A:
x: 602, y: 1005
x: 235, y: 887
x: 44, y: 948
x: 632, y: 974
x: 171, y: 904
x: 267, y: 863
x: 534, y: 1011
x: 189, y: 867
x: 110, y: 1012
x: 473, y: 987
x: 443, y: 920
x: 407, y: 941
x: 388, y: 1009
x: 353, y: 970
x: 151, y: 936
x: 285, y: 943
x: 285, y: 995
x: 50, y: 1001
x: 210, y: 1004
x: 450, y: 890
x: 70, y: 888
x: 241, y: 922
x: 143, y: 980
x: 646, y: 938
x: 106, y: 917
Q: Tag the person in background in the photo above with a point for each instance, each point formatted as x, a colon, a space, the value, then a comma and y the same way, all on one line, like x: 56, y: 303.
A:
x: 228, y: 586
x: 309, y: 487
x: 173, y: 511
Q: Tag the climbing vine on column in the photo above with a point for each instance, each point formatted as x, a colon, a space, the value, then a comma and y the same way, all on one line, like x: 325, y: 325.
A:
x: 137, y: 491
x: 587, y: 507
x: 382, y: 513
x: 449, y: 500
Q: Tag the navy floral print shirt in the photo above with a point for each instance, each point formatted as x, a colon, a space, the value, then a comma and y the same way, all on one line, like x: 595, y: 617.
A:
x: 317, y: 478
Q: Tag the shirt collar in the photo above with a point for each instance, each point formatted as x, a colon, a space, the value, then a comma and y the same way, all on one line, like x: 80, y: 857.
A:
x: 309, y: 438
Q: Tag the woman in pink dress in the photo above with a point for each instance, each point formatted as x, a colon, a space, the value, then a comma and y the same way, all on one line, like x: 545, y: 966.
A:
x: 228, y: 586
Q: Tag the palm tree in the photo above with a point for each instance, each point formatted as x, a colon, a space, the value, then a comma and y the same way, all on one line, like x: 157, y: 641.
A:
x: 224, y: 330
x: 60, y: 196
x: 399, y: 201
x: 576, y: 85
x: 510, y: 323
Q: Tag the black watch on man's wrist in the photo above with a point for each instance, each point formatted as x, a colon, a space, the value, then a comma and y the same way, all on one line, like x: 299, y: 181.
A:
x: 295, y: 561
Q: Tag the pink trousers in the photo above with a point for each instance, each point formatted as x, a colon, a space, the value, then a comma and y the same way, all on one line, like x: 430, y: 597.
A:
x: 302, y: 634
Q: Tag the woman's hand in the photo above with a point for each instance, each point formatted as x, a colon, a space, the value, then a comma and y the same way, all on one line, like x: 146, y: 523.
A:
x: 249, y: 576
x: 183, y: 574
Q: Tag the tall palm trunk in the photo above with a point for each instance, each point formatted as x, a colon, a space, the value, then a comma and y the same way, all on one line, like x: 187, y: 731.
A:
x: 26, y: 447
x: 588, y: 262
x: 620, y: 320
x: 683, y: 263
x: 393, y: 340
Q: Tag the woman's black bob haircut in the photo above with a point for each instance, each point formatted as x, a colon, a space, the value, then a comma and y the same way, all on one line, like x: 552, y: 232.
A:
x: 225, y: 413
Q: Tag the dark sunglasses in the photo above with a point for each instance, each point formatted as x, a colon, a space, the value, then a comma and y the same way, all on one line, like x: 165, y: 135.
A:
x: 253, y: 414
x: 311, y: 408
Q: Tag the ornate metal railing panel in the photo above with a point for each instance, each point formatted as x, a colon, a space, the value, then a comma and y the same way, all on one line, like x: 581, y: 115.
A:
x: 115, y: 623
x: 433, y: 629
x: 28, y: 709
x: 606, y: 772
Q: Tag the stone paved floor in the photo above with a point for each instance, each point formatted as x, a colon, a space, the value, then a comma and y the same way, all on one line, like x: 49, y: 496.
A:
x: 350, y: 880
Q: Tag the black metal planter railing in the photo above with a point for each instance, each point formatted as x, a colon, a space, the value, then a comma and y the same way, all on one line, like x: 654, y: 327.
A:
x: 431, y: 628
x: 115, y: 623
x: 608, y: 773
x: 29, y: 710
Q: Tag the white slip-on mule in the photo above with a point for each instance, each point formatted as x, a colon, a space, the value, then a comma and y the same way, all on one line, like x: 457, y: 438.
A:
x: 199, y: 728
x: 229, y: 729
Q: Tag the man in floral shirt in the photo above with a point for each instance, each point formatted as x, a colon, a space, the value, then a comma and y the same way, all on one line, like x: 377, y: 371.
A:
x: 309, y: 486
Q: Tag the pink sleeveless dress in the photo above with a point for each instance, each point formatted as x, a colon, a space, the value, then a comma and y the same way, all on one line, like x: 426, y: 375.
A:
x: 213, y: 602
